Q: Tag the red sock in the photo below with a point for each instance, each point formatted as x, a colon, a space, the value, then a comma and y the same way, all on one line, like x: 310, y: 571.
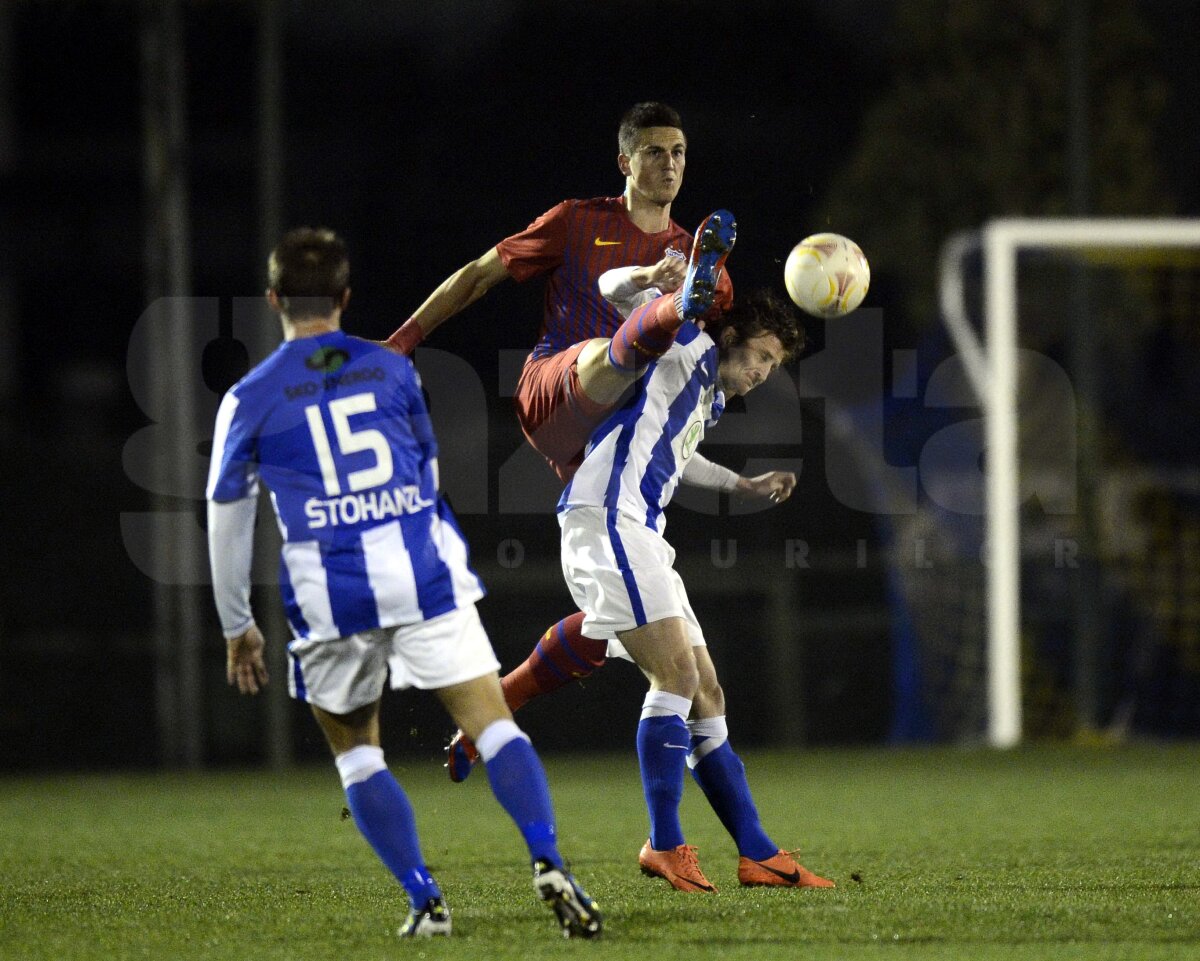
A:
x: 561, y: 656
x: 646, y: 335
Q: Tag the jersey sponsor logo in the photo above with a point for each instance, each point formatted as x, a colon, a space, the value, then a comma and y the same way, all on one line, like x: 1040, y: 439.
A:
x: 606, y: 243
x: 376, y: 505
x: 309, y: 388
x: 690, y: 440
x: 327, y: 359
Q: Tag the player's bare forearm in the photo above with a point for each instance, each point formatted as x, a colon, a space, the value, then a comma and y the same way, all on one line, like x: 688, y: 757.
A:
x: 454, y: 294
x: 775, y: 486
x: 245, y: 668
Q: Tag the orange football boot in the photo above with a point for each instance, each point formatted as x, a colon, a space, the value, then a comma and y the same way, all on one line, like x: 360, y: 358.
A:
x: 678, y: 865
x: 779, y: 870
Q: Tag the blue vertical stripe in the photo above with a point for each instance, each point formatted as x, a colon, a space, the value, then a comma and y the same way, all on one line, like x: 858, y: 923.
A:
x: 291, y: 607
x: 612, y: 493
x: 353, y: 608
x: 435, y: 584
x: 631, y: 588
x: 298, y: 677
x: 661, y: 468
x: 446, y: 515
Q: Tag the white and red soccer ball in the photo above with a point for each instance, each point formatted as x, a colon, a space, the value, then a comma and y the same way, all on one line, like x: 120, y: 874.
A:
x: 827, y: 275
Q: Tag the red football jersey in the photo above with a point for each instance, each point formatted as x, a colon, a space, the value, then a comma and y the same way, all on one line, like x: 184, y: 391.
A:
x: 575, y: 242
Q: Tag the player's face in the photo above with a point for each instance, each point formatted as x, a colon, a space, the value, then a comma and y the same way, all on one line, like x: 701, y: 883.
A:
x: 745, y: 365
x: 655, y: 169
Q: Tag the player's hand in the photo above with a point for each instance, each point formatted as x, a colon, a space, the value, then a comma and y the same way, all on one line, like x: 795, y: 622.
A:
x: 776, y: 486
x: 244, y: 664
x: 667, y: 275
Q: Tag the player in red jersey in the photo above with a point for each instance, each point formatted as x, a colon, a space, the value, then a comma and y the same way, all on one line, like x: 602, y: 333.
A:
x: 570, y: 379
x: 586, y: 354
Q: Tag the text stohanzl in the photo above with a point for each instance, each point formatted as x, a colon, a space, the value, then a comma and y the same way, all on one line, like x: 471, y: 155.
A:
x: 367, y: 506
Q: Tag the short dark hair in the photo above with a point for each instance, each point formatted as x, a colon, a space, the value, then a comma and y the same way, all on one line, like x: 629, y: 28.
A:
x: 761, y: 312
x: 309, y: 271
x: 651, y: 113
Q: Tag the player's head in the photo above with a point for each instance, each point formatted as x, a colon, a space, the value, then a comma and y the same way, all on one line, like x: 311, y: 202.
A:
x: 308, y: 274
x: 757, y: 334
x: 652, y: 151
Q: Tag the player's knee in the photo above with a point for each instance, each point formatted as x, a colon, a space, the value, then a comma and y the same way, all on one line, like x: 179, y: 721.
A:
x: 710, y: 699
x: 680, y: 676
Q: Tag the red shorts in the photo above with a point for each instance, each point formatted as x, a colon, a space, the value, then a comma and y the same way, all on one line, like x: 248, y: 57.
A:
x: 555, y: 414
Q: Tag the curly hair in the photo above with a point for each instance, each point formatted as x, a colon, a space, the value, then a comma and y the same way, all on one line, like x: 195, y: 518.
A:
x: 637, y: 118
x: 761, y: 312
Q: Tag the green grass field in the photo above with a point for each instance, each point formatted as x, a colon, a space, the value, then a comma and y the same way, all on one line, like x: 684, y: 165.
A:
x: 1036, y: 854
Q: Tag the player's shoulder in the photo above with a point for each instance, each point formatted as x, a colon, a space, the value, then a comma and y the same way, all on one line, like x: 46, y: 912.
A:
x: 373, y: 349
x: 693, y: 340
x: 260, y: 375
x: 692, y: 355
x: 594, y: 205
x: 679, y: 235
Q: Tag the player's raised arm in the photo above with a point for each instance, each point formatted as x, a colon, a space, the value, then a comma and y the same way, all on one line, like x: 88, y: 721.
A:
x: 627, y: 287
x: 462, y: 288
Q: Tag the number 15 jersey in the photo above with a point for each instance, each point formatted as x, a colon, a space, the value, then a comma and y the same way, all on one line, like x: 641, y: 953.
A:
x: 337, y: 429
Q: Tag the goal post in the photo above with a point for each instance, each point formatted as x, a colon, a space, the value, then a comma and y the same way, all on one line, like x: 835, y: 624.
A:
x: 991, y: 367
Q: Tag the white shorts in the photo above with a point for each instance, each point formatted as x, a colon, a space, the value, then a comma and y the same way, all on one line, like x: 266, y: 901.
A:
x: 621, y: 576
x: 346, y: 673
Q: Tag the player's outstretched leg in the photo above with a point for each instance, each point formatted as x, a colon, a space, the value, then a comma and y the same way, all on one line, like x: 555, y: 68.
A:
x: 382, y: 813
x: 722, y: 777
x: 651, y: 328
x: 519, y: 783
x: 562, y: 656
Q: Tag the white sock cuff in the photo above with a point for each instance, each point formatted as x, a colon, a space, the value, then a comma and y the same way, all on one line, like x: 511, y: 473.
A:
x: 714, y: 732
x: 709, y: 727
x: 664, y: 704
x: 359, y: 763
x: 495, y: 736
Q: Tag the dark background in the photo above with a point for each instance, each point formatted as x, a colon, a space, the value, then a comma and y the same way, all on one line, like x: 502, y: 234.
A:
x: 426, y: 132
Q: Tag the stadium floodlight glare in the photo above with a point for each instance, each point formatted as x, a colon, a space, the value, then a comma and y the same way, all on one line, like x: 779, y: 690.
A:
x: 991, y: 369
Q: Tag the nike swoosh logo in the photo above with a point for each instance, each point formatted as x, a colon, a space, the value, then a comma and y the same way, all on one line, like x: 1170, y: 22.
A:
x: 682, y: 748
x: 606, y: 243
x: 792, y: 877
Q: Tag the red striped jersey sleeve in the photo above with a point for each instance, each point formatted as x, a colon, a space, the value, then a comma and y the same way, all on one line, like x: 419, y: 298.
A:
x: 539, y: 247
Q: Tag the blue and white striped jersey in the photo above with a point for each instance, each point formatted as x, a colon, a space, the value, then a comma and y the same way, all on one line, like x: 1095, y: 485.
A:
x: 337, y: 429
x: 633, y: 460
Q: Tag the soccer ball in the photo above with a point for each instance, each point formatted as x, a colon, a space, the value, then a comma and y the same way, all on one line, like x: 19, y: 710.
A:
x: 827, y: 275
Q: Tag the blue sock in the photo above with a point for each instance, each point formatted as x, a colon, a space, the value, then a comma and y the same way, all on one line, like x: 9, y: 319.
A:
x: 385, y: 818
x: 519, y: 782
x: 662, y: 745
x: 722, y: 777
